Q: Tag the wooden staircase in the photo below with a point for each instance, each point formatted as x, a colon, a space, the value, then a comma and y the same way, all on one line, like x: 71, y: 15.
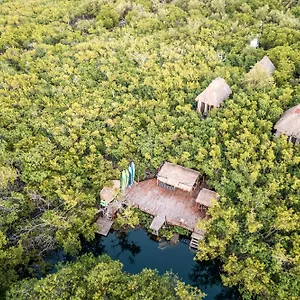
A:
x: 196, y: 237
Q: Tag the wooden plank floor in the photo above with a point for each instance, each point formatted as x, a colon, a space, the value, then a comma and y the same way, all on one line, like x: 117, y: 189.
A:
x: 157, y: 222
x: 179, y: 207
x: 103, y: 226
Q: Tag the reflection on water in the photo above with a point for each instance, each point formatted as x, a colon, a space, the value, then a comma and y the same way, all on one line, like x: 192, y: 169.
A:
x: 207, y: 273
x: 122, y: 244
x: 136, y: 250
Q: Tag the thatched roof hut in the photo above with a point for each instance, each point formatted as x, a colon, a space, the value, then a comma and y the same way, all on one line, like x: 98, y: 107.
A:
x: 289, y: 124
x: 205, y: 196
x: 178, y: 176
x: 216, y: 92
x: 265, y: 65
x: 108, y: 194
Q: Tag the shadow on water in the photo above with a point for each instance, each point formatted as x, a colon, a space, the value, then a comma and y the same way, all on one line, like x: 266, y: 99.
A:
x: 136, y: 250
x: 123, y: 244
x: 207, y: 274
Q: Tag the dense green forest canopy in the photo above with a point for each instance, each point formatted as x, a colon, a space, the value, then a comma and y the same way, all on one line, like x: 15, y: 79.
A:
x: 102, y: 278
x: 88, y: 85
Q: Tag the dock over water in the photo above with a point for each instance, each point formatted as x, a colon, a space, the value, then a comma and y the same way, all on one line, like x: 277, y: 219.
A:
x: 103, y: 225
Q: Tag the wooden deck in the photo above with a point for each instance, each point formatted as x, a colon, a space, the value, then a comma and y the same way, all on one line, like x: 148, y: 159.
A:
x: 157, y: 223
x: 103, y: 226
x: 177, y: 207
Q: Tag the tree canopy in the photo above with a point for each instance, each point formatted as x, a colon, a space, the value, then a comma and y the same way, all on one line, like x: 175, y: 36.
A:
x: 102, y: 278
x: 87, y: 86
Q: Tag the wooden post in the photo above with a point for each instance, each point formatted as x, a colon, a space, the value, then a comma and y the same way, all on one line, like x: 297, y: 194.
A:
x: 206, y: 108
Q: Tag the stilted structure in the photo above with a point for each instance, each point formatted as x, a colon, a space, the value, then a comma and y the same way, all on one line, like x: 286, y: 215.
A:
x: 103, y: 226
x: 108, y: 207
x: 176, y: 207
x: 213, y: 96
x: 204, y: 199
x: 289, y: 124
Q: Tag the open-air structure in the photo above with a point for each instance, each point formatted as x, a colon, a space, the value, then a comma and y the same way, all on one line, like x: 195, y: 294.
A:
x: 108, y: 193
x: 205, y: 197
x: 176, y: 207
x: 289, y: 124
x: 173, y: 197
x: 213, y: 96
x: 170, y: 198
x: 264, y: 65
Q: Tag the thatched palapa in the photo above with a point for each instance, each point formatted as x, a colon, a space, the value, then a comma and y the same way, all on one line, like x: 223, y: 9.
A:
x: 289, y: 124
x: 178, y: 176
x: 217, y: 91
x: 109, y: 193
x: 264, y: 65
x: 205, y: 196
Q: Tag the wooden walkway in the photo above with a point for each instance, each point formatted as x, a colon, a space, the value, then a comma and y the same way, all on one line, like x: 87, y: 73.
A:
x: 157, y: 222
x: 103, y: 225
x: 177, y: 207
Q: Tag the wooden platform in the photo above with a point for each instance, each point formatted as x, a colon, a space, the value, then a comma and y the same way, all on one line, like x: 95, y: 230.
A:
x: 103, y: 226
x: 178, y: 207
x: 157, y: 222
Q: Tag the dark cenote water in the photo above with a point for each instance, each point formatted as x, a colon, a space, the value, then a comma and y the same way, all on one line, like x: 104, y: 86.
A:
x: 136, y: 250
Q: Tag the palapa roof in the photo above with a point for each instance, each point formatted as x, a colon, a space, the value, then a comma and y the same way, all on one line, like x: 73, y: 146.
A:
x: 178, y: 176
x: 265, y: 64
x: 216, y: 92
x: 205, y: 196
x: 109, y: 193
x: 289, y: 122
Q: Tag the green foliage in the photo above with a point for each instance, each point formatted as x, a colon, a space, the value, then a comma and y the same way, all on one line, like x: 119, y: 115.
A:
x: 128, y: 217
x: 132, y: 217
x: 81, y: 96
x: 11, y: 260
x: 102, y: 278
x: 167, y: 231
x: 108, y: 16
x: 7, y: 175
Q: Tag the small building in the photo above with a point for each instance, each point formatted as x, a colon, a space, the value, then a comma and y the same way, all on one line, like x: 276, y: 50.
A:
x: 108, y: 194
x: 204, y: 199
x: 264, y: 65
x: 289, y: 124
x: 173, y: 176
x: 216, y: 92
